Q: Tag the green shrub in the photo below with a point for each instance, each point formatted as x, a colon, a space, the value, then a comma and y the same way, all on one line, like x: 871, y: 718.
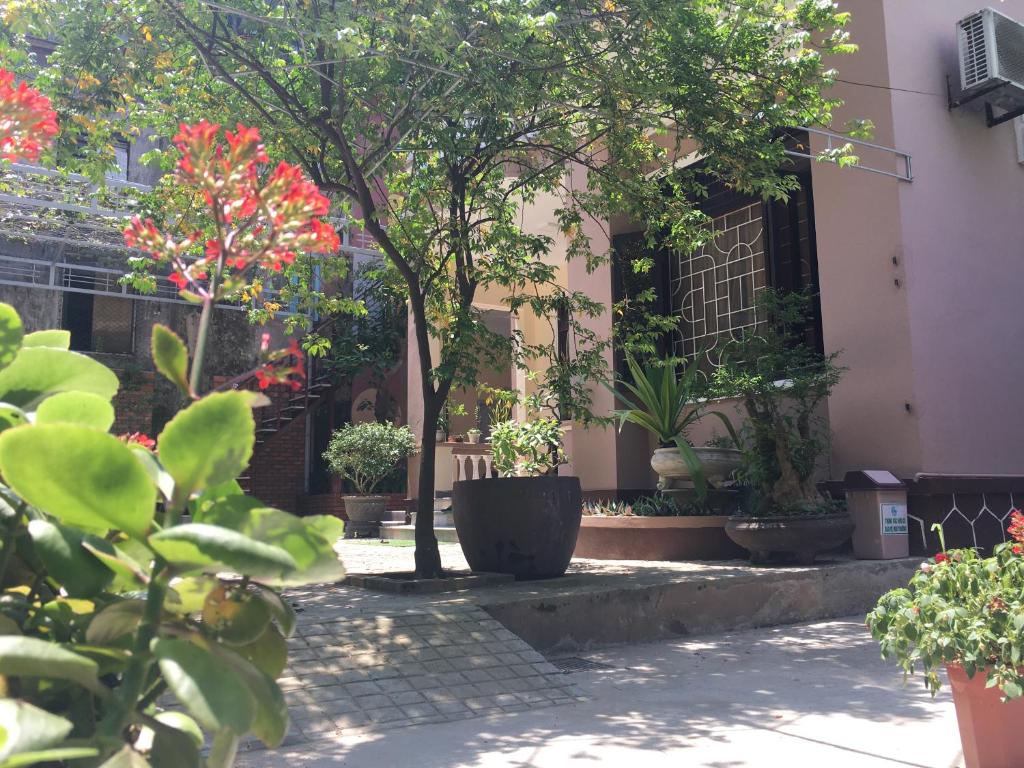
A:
x: 110, y: 603
x: 364, y: 454
x: 527, y: 448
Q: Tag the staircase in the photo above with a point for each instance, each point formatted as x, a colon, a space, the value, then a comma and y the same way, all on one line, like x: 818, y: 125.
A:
x: 285, y: 406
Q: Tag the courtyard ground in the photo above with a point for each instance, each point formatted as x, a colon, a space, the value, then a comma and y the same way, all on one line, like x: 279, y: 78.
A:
x: 807, y: 695
x: 383, y: 679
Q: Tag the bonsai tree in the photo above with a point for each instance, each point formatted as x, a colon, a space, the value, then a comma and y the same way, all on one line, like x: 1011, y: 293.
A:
x: 434, y: 125
x: 782, y: 382
x: 529, y: 448
x: 665, y: 402
x: 364, y: 454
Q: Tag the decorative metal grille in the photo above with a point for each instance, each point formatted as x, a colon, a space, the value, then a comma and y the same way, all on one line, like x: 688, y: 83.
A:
x: 714, y: 289
x: 972, y: 520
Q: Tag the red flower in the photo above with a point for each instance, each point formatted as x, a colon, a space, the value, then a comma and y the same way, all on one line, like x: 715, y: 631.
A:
x: 27, y: 123
x: 1018, y: 549
x: 138, y: 438
x: 942, y: 557
x: 1016, y: 529
x: 261, y: 224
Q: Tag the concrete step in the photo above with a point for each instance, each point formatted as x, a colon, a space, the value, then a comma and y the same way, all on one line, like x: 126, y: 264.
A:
x: 402, y: 532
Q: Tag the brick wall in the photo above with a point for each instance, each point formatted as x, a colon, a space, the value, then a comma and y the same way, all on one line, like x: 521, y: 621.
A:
x: 277, y: 472
x: 133, y: 403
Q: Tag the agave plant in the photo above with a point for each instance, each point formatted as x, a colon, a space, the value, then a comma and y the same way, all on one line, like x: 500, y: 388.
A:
x: 663, y: 400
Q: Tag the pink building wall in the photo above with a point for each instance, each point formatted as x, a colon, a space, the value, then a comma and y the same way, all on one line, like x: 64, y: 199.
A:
x: 963, y: 241
x: 919, y: 280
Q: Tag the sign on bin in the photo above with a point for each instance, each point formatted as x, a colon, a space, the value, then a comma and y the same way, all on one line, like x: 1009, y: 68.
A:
x: 894, y: 519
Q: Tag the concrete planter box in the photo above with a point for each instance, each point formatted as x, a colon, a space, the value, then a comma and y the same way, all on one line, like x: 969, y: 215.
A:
x: 656, y: 538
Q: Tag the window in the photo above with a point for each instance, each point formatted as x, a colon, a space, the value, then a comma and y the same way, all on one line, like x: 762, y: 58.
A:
x: 98, y: 323
x: 755, y: 245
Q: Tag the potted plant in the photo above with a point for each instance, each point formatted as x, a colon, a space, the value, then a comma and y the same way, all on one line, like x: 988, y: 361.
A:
x: 526, y: 521
x: 364, y: 454
x: 473, y: 435
x: 782, y: 383
x: 664, y: 402
x: 965, y: 612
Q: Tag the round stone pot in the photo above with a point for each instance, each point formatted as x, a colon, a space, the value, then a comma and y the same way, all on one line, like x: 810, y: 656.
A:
x: 365, y: 509
x: 718, y: 464
x: 526, y: 526
x: 656, y: 538
x: 802, y: 537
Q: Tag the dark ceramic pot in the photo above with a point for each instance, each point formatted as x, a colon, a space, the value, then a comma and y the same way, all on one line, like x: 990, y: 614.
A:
x: 802, y: 537
x: 526, y: 526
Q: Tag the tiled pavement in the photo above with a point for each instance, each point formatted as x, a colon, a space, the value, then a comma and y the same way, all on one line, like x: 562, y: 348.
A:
x: 360, y: 661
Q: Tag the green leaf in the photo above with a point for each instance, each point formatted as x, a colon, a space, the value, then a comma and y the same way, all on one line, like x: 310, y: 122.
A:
x: 270, y: 722
x: 309, y: 540
x: 55, y: 338
x: 280, y: 609
x: 126, y: 757
x: 211, y: 691
x: 11, y: 416
x: 128, y: 572
x: 11, y: 334
x: 78, y: 475
x: 188, y: 594
x: 173, y: 748
x: 30, y: 657
x: 38, y: 372
x: 208, y: 443
x: 25, y: 728
x: 171, y: 357
x: 77, y: 408
x: 160, y: 477
x: 268, y: 652
x: 182, y: 722
x: 49, y: 756
x: 61, y: 551
x: 115, y: 621
x: 212, y: 548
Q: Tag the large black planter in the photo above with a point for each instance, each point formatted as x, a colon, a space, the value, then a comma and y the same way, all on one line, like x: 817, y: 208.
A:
x: 525, y: 526
x: 802, y: 537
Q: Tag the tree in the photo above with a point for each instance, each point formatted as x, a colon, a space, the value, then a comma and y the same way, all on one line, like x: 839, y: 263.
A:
x: 433, y: 122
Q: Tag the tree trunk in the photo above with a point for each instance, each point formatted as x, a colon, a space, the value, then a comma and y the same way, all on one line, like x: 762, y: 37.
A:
x: 428, y: 556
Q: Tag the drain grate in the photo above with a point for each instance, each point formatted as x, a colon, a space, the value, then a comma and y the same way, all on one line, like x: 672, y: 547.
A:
x: 571, y: 664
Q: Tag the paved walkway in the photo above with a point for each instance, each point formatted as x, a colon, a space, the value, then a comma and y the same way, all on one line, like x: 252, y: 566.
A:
x: 809, y: 696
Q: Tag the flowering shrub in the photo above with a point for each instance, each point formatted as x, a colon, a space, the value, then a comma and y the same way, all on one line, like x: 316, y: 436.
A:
x: 27, y: 124
x: 364, y: 454
x: 110, y: 604
x: 527, y: 448
x: 254, y: 221
x: 960, y: 608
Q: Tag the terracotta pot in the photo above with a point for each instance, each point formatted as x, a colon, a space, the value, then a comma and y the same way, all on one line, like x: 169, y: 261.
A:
x: 804, y: 537
x: 525, y: 526
x: 718, y: 464
x: 365, y: 509
x: 988, y: 727
x: 656, y: 538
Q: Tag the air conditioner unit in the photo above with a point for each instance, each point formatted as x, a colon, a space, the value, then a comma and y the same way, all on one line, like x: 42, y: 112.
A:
x: 992, y: 59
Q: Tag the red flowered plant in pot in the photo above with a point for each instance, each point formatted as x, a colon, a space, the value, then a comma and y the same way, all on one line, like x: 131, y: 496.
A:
x: 965, y: 612
x: 112, y: 606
